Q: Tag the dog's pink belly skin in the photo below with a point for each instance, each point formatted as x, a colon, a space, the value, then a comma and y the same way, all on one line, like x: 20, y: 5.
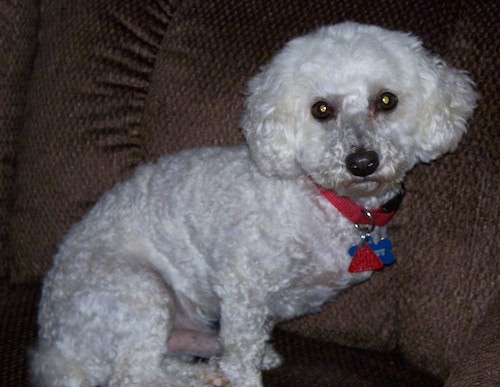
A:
x: 190, y: 342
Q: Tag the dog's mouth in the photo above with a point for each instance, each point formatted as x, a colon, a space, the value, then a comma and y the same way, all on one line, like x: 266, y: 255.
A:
x: 358, y: 186
x: 367, y: 186
x: 370, y: 180
x: 361, y: 187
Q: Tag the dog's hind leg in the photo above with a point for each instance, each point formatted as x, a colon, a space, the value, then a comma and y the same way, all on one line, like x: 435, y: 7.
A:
x: 108, y: 323
x: 140, y: 311
x: 143, y: 318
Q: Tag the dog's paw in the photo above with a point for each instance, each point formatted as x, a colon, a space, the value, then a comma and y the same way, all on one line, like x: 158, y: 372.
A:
x: 271, y: 359
x: 213, y: 376
x: 215, y: 379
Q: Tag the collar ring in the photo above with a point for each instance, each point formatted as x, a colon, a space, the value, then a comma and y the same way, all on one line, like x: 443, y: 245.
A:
x: 366, y: 228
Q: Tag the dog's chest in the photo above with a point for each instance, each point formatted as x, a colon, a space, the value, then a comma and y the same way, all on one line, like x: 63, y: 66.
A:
x: 308, y: 298
x: 316, y: 280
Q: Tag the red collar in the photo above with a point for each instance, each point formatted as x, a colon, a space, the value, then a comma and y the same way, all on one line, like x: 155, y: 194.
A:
x: 356, y: 213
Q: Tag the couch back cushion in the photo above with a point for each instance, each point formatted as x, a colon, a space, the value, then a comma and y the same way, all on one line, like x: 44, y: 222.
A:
x: 117, y: 83
x: 83, y: 129
x: 18, y: 20
x: 449, y: 273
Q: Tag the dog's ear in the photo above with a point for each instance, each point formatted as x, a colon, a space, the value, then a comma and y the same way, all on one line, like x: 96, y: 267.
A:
x: 270, y: 122
x: 448, y: 100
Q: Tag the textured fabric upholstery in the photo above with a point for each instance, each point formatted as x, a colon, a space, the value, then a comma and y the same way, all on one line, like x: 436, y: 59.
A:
x: 18, y: 24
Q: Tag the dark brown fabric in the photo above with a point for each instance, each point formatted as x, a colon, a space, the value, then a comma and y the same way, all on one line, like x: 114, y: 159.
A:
x: 18, y: 26
x: 17, y: 332
x: 449, y: 270
x: 83, y: 126
x: 483, y: 350
x: 319, y: 364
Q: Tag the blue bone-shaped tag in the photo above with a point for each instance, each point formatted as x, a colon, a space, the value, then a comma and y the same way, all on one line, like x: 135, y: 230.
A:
x: 382, y: 249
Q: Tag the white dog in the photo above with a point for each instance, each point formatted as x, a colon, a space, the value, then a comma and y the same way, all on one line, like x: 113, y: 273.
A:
x: 201, y: 254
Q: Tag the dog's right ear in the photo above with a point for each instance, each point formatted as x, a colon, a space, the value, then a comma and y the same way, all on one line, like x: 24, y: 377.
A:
x: 269, y: 122
x: 448, y: 99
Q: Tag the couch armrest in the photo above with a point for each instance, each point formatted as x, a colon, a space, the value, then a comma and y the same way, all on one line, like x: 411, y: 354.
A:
x: 480, y: 364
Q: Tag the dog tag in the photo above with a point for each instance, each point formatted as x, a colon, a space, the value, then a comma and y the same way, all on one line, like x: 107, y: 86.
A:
x: 383, y: 250
x: 363, y: 257
x: 368, y: 255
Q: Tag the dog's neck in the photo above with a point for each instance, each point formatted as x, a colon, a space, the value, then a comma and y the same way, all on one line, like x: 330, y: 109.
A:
x: 357, y: 214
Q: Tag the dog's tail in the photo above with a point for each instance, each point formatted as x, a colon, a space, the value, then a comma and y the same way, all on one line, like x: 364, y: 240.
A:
x: 49, y: 367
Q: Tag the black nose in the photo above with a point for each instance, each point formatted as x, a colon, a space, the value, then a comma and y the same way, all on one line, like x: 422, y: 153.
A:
x: 362, y: 162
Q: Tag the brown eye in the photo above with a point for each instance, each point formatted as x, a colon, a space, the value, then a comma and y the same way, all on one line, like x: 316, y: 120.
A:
x: 387, y: 101
x: 322, y: 110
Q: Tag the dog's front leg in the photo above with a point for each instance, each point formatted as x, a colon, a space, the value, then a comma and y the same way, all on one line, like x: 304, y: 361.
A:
x: 244, y: 332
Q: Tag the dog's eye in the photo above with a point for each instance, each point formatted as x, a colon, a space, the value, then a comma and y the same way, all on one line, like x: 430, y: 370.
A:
x: 387, y: 101
x: 322, y: 110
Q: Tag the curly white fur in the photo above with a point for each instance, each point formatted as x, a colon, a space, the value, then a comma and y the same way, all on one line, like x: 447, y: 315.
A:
x: 202, y: 253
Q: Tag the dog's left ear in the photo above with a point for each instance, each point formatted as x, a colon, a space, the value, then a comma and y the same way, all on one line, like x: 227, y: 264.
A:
x: 270, y: 121
x: 448, y: 100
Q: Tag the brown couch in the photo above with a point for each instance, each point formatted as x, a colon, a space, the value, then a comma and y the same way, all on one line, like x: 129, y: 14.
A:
x: 89, y: 89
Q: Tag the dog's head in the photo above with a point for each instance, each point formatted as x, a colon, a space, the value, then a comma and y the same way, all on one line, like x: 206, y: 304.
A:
x: 355, y: 107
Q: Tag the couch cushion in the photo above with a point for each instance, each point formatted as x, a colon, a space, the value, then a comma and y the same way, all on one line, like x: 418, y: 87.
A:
x: 18, y: 21
x: 308, y: 362
x: 479, y: 364
x: 450, y: 273
x: 17, y: 331
x: 83, y: 129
